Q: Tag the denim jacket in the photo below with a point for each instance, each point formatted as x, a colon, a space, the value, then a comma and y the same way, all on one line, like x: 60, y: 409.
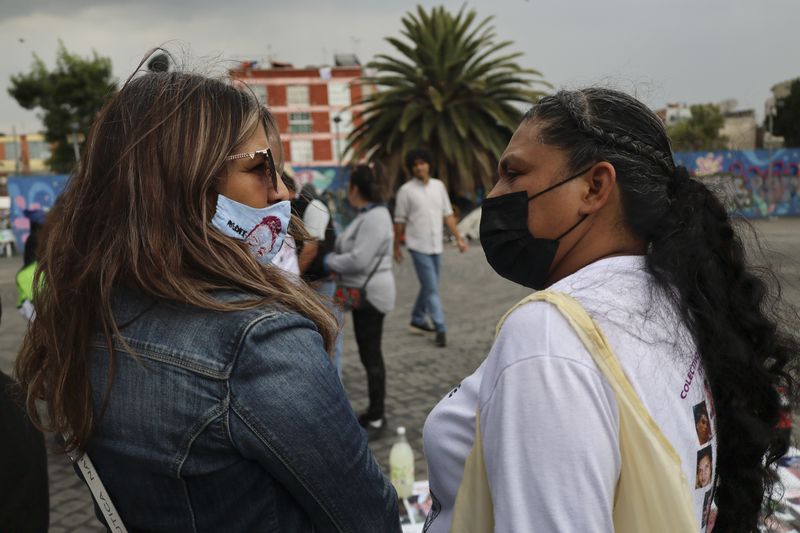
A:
x: 230, y: 421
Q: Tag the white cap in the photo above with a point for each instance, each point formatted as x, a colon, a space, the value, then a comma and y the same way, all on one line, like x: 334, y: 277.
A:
x: 401, y: 430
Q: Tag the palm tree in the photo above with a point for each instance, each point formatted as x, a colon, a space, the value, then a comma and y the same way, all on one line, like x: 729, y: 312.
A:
x: 451, y: 92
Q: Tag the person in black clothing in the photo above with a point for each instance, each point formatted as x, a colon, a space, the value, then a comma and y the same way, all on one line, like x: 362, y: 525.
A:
x: 24, y: 497
x: 362, y: 258
x: 319, y: 223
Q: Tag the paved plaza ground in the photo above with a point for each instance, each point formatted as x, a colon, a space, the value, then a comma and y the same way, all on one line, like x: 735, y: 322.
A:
x: 418, y: 373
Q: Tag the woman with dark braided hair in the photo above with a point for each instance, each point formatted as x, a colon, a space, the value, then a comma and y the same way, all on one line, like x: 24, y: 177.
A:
x: 582, y: 417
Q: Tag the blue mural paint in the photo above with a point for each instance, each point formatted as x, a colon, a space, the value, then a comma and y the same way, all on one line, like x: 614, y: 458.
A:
x: 331, y: 185
x: 31, y: 192
x: 753, y: 183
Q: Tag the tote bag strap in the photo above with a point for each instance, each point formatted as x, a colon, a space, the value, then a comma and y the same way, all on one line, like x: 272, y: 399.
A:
x: 598, y: 347
x: 99, y: 493
x: 377, y: 264
x: 652, y: 493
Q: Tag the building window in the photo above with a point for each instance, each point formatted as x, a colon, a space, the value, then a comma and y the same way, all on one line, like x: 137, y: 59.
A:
x: 299, y: 122
x: 367, y: 89
x: 12, y: 150
x: 345, y: 125
x: 302, y: 151
x: 297, y: 95
x: 39, y: 150
x: 338, y: 94
x: 261, y: 93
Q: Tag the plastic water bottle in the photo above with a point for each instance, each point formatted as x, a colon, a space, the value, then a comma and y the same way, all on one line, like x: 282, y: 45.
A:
x: 401, y: 465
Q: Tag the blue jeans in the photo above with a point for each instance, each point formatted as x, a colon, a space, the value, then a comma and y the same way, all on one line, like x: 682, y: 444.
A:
x: 428, y: 302
x: 326, y: 289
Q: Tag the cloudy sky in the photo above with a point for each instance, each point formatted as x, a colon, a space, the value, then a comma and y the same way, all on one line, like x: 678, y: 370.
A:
x: 677, y: 51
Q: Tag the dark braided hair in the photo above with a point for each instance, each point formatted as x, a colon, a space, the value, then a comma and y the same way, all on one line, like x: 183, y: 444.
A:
x: 698, y: 260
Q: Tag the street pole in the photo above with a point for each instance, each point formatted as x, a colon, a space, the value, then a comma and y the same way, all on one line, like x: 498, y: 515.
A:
x: 336, y: 120
x: 769, y: 158
x: 74, y: 127
x: 17, y: 150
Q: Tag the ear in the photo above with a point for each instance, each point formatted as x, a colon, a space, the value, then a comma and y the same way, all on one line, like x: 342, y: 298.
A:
x: 600, y: 182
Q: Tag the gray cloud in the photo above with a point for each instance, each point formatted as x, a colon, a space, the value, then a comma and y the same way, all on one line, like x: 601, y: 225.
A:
x: 663, y: 52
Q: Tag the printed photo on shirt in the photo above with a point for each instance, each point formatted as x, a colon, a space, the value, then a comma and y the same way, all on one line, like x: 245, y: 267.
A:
x: 702, y: 423
x: 415, y: 508
x: 712, y: 518
x: 703, y: 468
x: 706, y: 507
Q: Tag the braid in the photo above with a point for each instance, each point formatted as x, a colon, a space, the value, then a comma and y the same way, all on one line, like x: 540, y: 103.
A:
x: 742, y: 351
x: 577, y: 113
x: 579, y: 116
x: 627, y: 143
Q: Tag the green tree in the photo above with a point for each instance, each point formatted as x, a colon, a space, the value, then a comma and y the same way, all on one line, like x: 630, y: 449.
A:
x: 69, y: 95
x: 701, y: 132
x: 452, y: 91
x: 787, y: 117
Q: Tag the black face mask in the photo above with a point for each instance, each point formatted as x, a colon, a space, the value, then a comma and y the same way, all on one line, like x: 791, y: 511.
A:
x: 510, y: 248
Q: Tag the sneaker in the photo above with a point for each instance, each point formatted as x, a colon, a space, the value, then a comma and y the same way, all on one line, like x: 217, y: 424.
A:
x: 421, y: 329
x: 373, y: 428
x: 441, y: 339
x: 366, y: 422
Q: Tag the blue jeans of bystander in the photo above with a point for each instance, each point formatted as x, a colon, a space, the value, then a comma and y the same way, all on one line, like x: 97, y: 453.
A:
x: 326, y: 289
x: 428, y: 302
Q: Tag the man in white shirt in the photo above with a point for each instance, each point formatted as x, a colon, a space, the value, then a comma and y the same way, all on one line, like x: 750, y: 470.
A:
x: 420, y: 207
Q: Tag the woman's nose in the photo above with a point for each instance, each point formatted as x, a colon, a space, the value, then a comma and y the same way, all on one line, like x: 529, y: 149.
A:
x: 281, y: 193
x: 499, y: 189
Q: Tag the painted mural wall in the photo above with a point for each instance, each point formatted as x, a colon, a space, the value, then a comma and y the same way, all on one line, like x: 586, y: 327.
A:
x: 39, y: 192
x: 753, y: 183
x: 331, y: 184
x: 31, y: 192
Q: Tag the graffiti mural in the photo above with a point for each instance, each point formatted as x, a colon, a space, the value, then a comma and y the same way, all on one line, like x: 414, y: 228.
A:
x: 31, y: 192
x: 753, y: 183
x: 331, y: 184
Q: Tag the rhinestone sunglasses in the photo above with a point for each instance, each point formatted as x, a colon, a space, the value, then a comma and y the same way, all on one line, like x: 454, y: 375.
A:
x: 269, y: 163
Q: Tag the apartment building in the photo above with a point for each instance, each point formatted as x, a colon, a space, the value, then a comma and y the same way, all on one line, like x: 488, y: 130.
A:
x: 24, y: 154
x: 315, y: 107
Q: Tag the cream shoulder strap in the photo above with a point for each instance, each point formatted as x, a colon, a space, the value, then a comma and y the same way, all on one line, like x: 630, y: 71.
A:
x: 652, y: 494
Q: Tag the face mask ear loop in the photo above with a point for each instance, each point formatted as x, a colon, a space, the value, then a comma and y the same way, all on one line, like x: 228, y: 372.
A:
x: 560, y: 183
x: 572, y: 228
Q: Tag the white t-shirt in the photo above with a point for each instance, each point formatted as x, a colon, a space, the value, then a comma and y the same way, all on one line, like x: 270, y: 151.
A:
x: 549, y: 418
x: 422, y: 208
x: 316, y: 218
x: 286, y: 258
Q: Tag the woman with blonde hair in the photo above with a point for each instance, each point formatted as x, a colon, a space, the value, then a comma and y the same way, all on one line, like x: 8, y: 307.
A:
x: 168, y: 348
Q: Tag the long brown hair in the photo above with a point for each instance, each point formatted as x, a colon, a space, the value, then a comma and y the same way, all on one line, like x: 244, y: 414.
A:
x: 136, y: 215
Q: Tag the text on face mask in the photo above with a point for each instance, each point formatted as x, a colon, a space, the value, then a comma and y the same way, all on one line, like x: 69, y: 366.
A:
x: 238, y: 229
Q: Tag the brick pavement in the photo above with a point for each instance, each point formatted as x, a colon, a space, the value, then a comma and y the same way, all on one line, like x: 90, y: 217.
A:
x: 418, y: 373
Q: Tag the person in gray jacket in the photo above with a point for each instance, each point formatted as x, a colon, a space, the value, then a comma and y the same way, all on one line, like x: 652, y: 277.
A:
x: 366, y: 246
